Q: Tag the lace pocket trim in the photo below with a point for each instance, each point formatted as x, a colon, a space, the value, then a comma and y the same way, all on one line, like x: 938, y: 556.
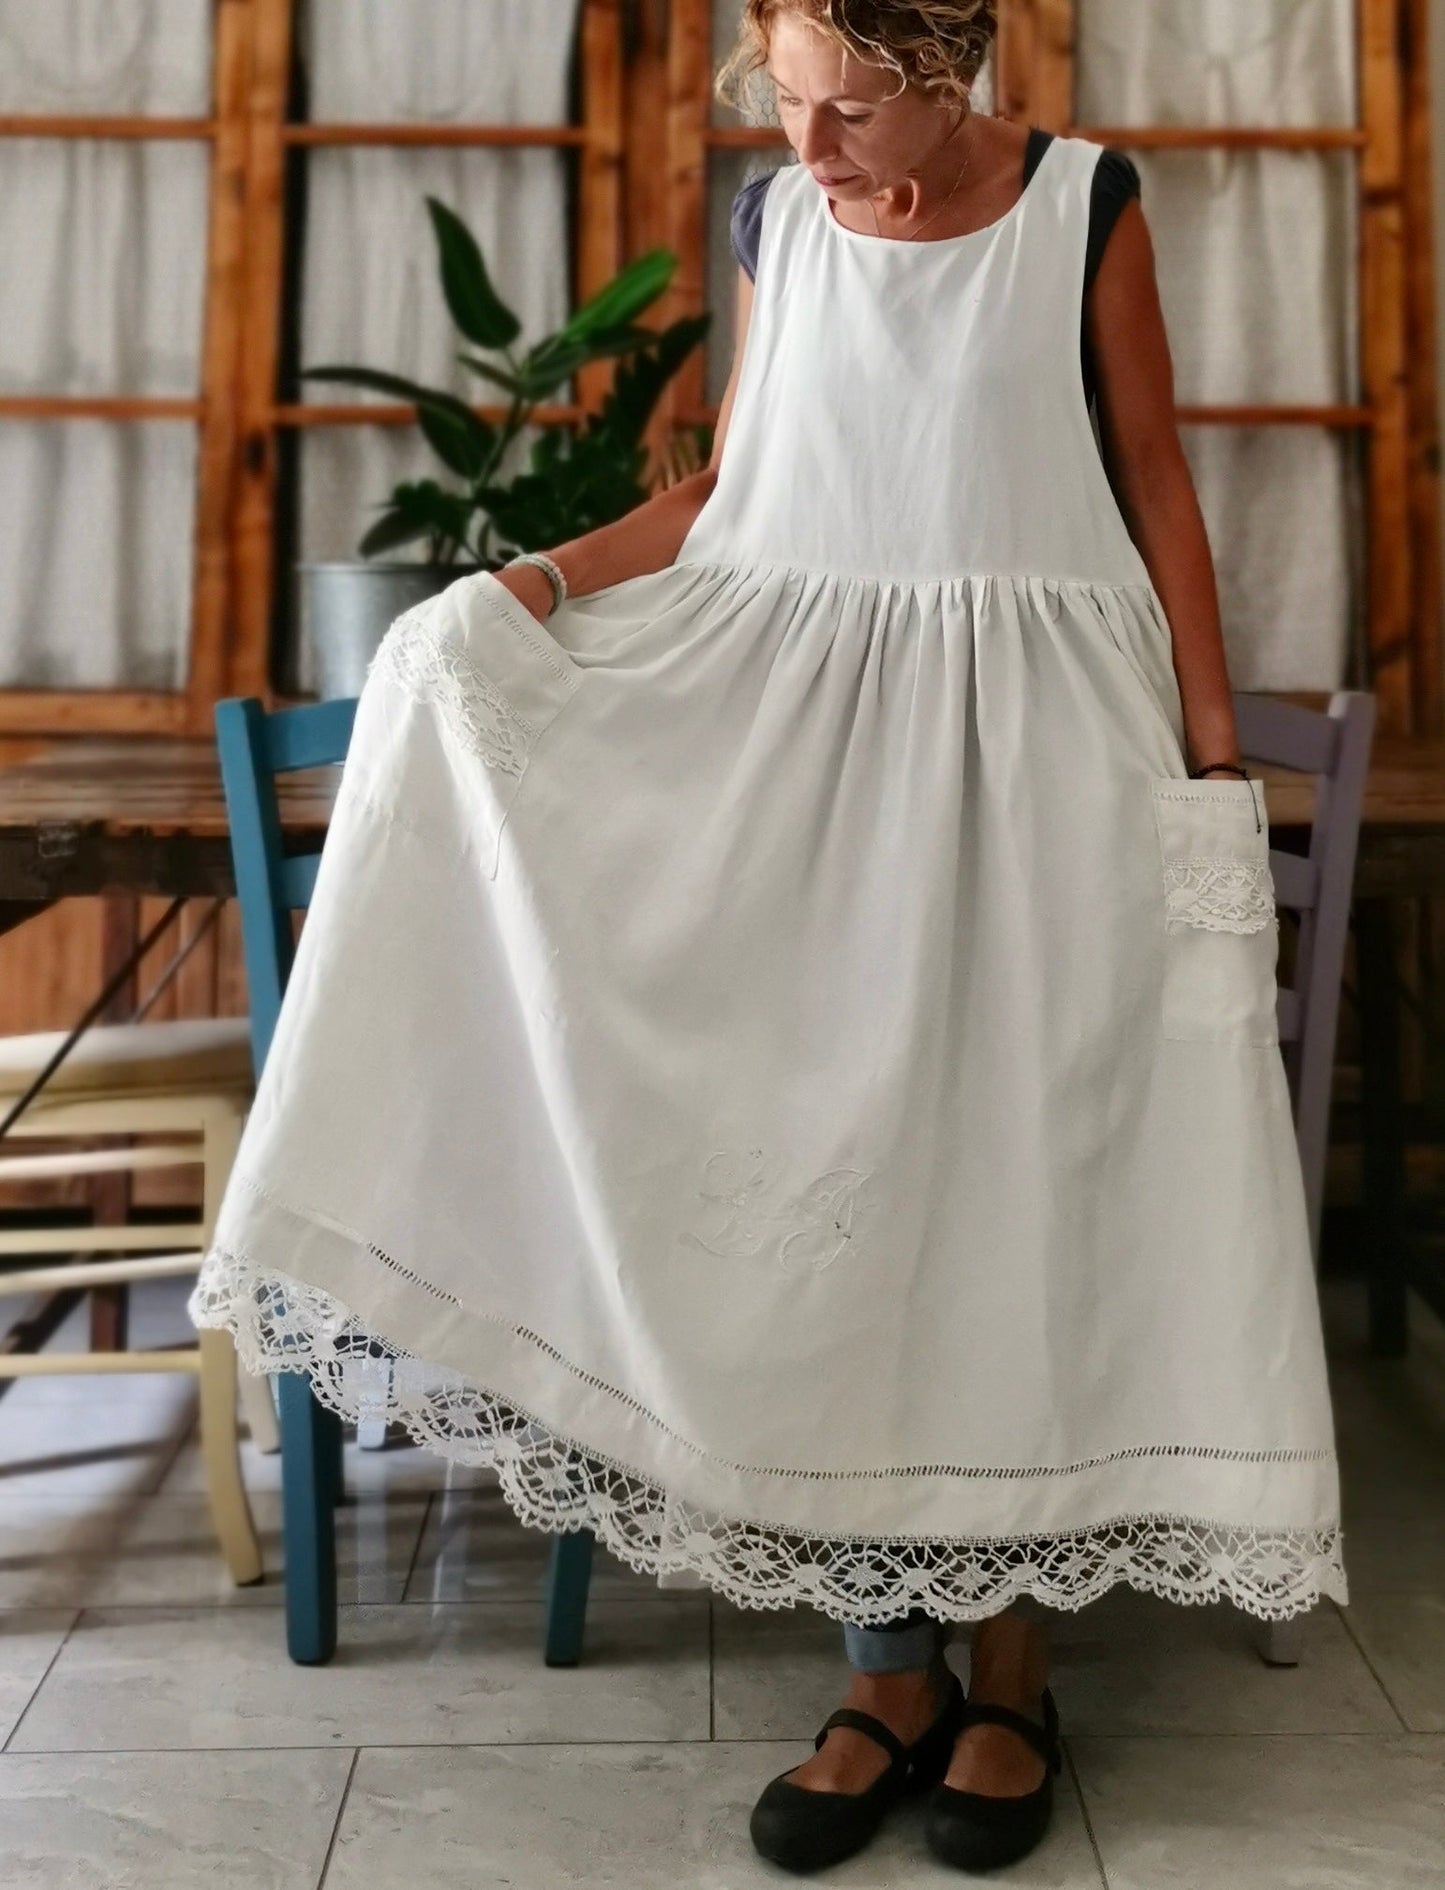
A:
x: 415, y: 656
x: 1221, y: 894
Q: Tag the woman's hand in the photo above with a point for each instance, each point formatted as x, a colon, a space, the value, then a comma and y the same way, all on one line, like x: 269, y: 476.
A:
x: 528, y: 584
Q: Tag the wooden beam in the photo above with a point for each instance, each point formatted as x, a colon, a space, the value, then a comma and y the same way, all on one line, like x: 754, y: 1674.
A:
x: 98, y: 407
x: 1424, y: 400
x: 253, y: 515
x: 400, y: 413
x: 1141, y: 137
x: 598, y: 236
x: 206, y: 670
x: 688, y: 110
x: 96, y: 125
x: 429, y: 135
x: 1389, y: 627
x: 92, y: 711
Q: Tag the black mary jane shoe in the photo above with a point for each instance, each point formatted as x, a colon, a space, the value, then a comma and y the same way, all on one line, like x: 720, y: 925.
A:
x: 981, y: 1830
x: 807, y: 1830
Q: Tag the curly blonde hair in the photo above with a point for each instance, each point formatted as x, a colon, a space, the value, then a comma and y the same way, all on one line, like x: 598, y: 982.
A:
x: 938, y: 45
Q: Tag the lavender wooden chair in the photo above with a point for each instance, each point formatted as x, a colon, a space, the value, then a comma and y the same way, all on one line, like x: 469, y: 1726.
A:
x: 1333, y: 745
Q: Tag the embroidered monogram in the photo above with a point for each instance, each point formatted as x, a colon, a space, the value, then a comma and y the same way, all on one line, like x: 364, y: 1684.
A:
x: 750, y: 1213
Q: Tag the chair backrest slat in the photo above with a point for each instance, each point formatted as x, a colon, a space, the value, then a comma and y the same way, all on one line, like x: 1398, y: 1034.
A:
x: 255, y: 745
x: 1333, y: 746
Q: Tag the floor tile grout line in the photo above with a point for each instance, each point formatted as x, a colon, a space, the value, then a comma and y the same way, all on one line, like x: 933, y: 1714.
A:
x: 1375, y: 1675
x: 340, y: 1814
x: 49, y: 1669
x: 523, y: 1599
x: 1083, y: 1805
x: 567, y: 1745
x: 426, y: 1517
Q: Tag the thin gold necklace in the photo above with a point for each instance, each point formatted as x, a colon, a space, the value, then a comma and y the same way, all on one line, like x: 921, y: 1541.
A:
x: 941, y: 208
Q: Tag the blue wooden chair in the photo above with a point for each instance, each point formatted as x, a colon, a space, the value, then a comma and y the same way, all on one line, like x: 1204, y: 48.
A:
x: 255, y: 745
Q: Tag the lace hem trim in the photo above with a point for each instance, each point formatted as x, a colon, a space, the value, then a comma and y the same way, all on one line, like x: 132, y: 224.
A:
x: 554, y: 1484
x: 1221, y: 895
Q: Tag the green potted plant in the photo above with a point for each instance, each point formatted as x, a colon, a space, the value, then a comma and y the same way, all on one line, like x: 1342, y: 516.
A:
x: 580, y: 474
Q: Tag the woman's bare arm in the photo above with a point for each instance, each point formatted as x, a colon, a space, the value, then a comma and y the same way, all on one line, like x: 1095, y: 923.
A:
x: 646, y: 538
x: 1151, y: 479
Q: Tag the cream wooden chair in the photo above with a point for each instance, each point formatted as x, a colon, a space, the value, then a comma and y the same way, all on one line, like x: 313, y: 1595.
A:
x: 190, y: 1081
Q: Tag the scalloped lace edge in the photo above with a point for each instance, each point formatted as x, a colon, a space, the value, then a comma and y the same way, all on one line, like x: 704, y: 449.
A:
x: 554, y: 1484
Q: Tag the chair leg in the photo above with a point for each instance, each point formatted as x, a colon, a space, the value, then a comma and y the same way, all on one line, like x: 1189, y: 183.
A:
x: 569, y: 1572
x: 333, y: 1462
x: 1382, y: 1122
x: 221, y: 1455
x: 258, y: 1401
x: 310, y: 1438
x: 1278, y: 1642
x: 371, y: 1433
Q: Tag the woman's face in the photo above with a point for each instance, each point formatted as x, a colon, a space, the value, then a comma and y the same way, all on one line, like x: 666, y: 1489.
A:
x: 837, y: 114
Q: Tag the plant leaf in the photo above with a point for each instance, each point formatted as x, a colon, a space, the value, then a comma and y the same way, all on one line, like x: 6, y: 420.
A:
x: 374, y: 379
x: 631, y: 290
x: 475, y: 306
x: 389, y: 531
x: 500, y: 377
x: 459, y: 438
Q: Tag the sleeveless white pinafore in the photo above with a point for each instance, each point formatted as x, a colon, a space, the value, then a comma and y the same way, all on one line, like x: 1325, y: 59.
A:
x: 781, y: 1059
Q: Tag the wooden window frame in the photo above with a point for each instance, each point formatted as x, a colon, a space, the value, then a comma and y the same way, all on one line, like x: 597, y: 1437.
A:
x: 213, y: 410
x: 643, y: 178
x: 598, y: 141
x: 237, y: 409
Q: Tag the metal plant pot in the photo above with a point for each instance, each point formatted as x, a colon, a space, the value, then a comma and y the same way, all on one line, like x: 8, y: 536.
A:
x: 346, y: 610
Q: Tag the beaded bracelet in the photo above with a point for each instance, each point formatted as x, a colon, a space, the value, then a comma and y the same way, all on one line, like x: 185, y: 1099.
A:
x: 544, y: 563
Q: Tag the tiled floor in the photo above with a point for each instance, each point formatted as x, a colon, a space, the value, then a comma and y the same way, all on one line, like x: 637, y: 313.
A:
x: 155, y: 1734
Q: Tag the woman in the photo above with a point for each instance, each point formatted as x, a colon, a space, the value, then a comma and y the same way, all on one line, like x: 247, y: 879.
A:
x: 851, y: 1157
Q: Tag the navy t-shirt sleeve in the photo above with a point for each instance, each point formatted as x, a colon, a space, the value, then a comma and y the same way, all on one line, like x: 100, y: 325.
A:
x: 1116, y: 180
x: 747, y: 221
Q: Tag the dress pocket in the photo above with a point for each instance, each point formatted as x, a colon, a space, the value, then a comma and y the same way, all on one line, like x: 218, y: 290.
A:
x: 496, y: 677
x: 1219, y: 917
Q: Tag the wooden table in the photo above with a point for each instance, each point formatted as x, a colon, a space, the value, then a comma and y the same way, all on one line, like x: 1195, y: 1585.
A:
x: 139, y: 814
x: 96, y: 815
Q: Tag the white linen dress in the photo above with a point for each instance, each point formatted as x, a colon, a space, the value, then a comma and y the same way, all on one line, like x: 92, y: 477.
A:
x: 782, y: 1058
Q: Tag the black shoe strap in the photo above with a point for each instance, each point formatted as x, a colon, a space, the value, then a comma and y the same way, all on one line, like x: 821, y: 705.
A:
x: 1043, y: 1739
x: 864, y: 1723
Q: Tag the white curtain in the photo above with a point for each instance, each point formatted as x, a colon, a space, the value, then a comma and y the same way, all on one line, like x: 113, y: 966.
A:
x: 370, y: 291
x: 102, y: 259
x: 1255, y: 255
x: 1258, y: 278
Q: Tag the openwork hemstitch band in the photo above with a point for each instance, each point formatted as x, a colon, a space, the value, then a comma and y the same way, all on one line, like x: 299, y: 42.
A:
x: 554, y: 1484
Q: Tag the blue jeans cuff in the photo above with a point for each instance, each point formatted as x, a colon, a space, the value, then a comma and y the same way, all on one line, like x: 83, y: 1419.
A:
x: 896, y: 1648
